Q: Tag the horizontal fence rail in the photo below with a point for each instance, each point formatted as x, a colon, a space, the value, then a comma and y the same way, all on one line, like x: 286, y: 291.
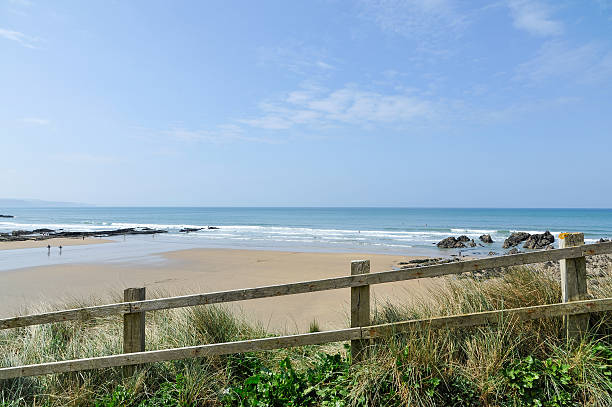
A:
x: 318, y: 338
x: 308, y: 286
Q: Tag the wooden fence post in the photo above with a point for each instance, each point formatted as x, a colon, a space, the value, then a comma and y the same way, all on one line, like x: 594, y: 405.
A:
x: 133, y: 326
x: 360, y: 308
x: 573, y: 284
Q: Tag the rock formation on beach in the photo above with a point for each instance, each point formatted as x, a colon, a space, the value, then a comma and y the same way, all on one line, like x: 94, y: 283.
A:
x: 6, y: 216
x: 539, y: 241
x: 515, y: 238
x: 486, y: 238
x: 451, y: 243
x: 43, y: 234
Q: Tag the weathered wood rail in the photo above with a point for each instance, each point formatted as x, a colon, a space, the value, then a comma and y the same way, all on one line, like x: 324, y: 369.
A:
x: 573, y: 309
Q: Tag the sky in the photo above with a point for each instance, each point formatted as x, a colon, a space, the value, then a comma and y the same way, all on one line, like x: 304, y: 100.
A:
x: 307, y: 103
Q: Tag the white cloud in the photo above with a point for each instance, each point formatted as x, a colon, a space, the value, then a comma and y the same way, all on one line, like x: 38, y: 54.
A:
x: 308, y: 108
x: 35, y: 120
x: 534, y: 17
x: 427, y: 22
x: 18, y: 37
x: 347, y: 105
x: 586, y: 64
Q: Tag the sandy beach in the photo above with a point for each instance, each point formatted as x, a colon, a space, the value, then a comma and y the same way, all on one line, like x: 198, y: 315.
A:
x: 205, y: 270
x: 54, y: 242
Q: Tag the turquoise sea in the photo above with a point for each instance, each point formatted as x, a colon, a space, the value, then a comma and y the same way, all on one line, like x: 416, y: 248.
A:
x: 375, y: 230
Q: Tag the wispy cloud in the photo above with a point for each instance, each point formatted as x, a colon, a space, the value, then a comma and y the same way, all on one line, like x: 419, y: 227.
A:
x: 222, y: 134
x: 297, y: 58
x: 306, y: 109
x: 21, y: 38
x: 314, y: 106
x: 585, y: 64
x: 35, y: 121
x: 427, y: 22
x: 534, y: 17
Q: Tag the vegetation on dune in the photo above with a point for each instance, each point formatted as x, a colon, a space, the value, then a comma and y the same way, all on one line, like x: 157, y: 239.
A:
x: 513, y: 364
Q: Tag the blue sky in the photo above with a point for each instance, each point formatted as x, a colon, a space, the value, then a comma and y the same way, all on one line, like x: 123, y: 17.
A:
x: 307, y: 103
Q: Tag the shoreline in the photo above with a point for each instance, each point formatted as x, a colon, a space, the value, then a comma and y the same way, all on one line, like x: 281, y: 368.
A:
x: 191, y: 271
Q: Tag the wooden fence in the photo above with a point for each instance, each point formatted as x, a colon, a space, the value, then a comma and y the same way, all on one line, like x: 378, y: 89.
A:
x: 574, y: 308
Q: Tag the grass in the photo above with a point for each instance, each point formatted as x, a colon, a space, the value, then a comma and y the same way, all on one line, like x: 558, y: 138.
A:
x: 514, y: 364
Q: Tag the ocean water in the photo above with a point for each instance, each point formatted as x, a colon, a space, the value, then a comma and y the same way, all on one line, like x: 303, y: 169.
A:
x: 410, y: 231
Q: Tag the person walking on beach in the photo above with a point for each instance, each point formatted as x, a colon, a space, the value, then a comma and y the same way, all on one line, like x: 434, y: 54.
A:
x: 48, y: 250
x: 60, y: 249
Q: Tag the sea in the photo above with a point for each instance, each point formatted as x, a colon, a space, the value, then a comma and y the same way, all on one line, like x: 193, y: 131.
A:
x: 406, y: 231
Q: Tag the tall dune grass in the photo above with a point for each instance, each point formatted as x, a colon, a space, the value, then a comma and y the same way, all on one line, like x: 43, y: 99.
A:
x: 480, y: 366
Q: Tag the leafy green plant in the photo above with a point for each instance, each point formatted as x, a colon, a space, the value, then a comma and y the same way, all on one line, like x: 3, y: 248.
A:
x: 538, y: 383
x: 318, y: 385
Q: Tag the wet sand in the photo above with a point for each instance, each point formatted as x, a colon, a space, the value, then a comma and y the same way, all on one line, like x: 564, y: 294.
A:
x: 206, y: 270
x: 54, y: 243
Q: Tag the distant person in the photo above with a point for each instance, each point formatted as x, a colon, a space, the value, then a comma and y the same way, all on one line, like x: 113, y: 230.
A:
x: 60, y: 249
x: 48, y: 250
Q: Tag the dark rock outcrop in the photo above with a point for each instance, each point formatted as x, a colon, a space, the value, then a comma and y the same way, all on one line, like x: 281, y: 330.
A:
x: 212, y: 228
x: 539, y: 241
x: 6, y: 216
x: 43, y: 230
x: 603, y: 240
x: 514, y: 250
x: 463, y: 238
x: 187, y: 230
x: 486, y: 238
x: 450, y: 243
x: 472, y: 243
x: 21, y: 235
x: 515, y: 238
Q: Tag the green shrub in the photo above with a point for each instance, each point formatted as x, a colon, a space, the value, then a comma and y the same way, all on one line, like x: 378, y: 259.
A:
x: 321, y: 384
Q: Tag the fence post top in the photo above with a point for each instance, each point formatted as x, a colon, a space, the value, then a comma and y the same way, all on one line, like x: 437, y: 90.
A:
x: 360, y: 261
x: 570, y: 235
x: 571, y: 239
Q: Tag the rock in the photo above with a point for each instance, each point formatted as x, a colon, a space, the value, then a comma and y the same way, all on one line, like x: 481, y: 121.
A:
x: 472, y: 243
x: 213, y: 228
x: 450, y: 243
x: 492, y: 253
x: 486, y: 238
x: 603, y: 240
x: 539, y: 241
x: 6, y: 216
x: 49, y: 233
x: 43, y: 230
x: 514, y: 250
x: 515, y: 238
x: 187, y: 230
x: 463, y: 238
